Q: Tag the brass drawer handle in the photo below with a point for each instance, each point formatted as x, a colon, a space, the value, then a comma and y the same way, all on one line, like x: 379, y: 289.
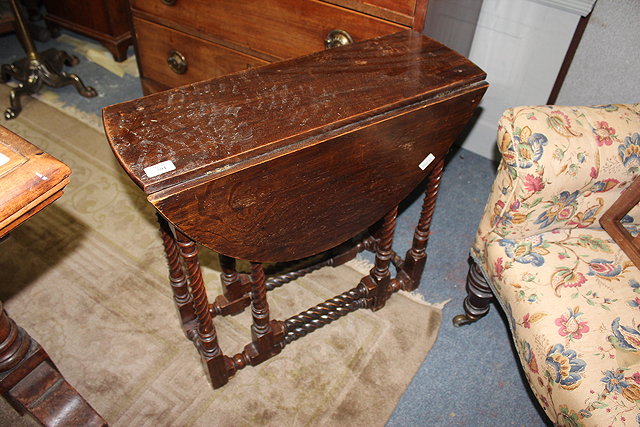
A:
x: 177, y: 62
x: 169, y: 2
x: 337, y: 38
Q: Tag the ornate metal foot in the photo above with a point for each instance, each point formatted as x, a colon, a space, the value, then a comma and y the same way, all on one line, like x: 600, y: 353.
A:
x: 479, y: 295
x: 44, y: 69
x: 36, y: 70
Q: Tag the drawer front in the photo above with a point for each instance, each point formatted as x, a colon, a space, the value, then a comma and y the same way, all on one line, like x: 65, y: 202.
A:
x: 400, y: 11
x: 203, y: 60
x: 273, y: 29
x: 406, y: 7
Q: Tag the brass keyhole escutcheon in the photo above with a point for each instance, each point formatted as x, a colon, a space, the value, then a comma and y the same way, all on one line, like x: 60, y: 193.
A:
x: 337, y: 38
x: 177, y: 62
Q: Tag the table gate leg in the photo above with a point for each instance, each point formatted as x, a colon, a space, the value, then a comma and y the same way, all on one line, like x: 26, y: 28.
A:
x: 378, y: 282
x: 230, y: 278
x: 267, y: 336
x: 179, y: 286
x: 207, y: 340
x: 416, y: 257
x: 235, y: 288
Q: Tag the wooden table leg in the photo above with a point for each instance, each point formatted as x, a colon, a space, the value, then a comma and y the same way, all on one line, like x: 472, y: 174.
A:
x: 266, y: 336
x: 236, y: 286
x: 378, y: 282
x: 207, y: 340
x: 416, y: 257
x: 32, y: 383
x: 179, y: 285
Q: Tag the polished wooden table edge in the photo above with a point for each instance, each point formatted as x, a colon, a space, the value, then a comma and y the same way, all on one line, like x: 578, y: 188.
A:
x: 408, y: 38
x: 44, y: 200
x: 285, y: 146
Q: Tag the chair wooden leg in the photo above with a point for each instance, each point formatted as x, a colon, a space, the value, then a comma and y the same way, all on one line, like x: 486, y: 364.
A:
x: 416, y: 257
x: 479, y: 295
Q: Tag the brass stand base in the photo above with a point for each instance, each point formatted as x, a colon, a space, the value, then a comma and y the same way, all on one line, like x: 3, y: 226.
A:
x: 41, y: 69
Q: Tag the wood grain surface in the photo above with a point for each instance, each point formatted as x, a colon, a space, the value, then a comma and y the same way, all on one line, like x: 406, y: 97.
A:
x: 30, y: 179
x: 293, y: 158
x: 271, y: 29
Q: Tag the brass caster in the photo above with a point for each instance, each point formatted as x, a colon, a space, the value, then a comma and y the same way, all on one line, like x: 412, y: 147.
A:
x: 89, y: 92
x: 463, y: 319
x: 10, y: 113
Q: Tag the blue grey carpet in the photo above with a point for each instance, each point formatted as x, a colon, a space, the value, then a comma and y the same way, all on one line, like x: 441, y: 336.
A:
x: 470, y: 377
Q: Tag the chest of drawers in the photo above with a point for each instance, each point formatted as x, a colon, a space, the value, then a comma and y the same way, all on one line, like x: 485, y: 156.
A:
x: 106, y: 21
x: 184, y: 41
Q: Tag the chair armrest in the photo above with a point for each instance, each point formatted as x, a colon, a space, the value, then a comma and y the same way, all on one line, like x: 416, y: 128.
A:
x: 561, y: 167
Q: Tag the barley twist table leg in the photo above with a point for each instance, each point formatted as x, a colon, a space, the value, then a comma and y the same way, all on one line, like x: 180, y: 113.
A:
x: 378, y: 282
x: 179, y: 285
x: 259, y: 304
x: 230, y: 278
x: 207, y: 340
x: 266, y: 341
x: 416, y: 257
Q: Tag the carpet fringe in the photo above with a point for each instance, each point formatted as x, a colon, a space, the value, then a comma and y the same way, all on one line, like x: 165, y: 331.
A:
x: 419, y: 298
x: 363, y: 266
x: 360, y: 265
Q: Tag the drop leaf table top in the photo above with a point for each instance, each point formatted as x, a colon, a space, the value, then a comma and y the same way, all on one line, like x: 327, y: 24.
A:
x: 293, y: 158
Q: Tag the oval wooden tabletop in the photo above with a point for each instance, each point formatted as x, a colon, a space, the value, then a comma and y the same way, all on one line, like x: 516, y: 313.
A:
x: 293, y: 158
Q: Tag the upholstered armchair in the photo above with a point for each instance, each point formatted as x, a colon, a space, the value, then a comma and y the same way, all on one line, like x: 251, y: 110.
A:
x: 570, y: 294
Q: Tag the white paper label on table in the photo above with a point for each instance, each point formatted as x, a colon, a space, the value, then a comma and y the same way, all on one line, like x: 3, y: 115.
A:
x: 426, y: 162
x: 160, y: 168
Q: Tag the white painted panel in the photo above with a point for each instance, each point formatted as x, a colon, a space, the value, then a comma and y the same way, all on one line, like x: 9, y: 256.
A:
x: 580, y: 7
x: 453, y: 23
x: 521, y: 45
x: 605, y: 67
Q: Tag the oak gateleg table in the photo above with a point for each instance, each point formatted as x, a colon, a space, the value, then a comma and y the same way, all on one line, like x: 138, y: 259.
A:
x: 290, y: 160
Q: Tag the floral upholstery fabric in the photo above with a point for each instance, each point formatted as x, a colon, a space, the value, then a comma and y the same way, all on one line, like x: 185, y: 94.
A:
x: 572, y: 296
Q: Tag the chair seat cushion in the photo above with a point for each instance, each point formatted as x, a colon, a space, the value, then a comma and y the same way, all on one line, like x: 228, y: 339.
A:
x: 573, y: 302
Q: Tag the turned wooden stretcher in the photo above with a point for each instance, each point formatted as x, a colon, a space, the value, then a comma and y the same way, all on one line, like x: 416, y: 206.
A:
x: 290, y: 160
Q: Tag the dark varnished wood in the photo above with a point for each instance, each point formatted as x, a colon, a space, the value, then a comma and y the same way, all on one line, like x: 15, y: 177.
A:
x: 204, y: 59
x: 106, y: 21
x: 290, y: 160
x: 260, y: 30
x: 403, y: 12
x: 179, y: 284
x: 380, y: 274
x: 328, y: 149
x: 206, y: 338
x: 32, y: 384
x: 611, y: 221
x: 286, y: 28
x: 416, y: 257
x: 479, y: 296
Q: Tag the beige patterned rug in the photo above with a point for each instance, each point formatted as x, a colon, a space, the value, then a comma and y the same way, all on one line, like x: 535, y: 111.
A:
x: 87, y: 278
